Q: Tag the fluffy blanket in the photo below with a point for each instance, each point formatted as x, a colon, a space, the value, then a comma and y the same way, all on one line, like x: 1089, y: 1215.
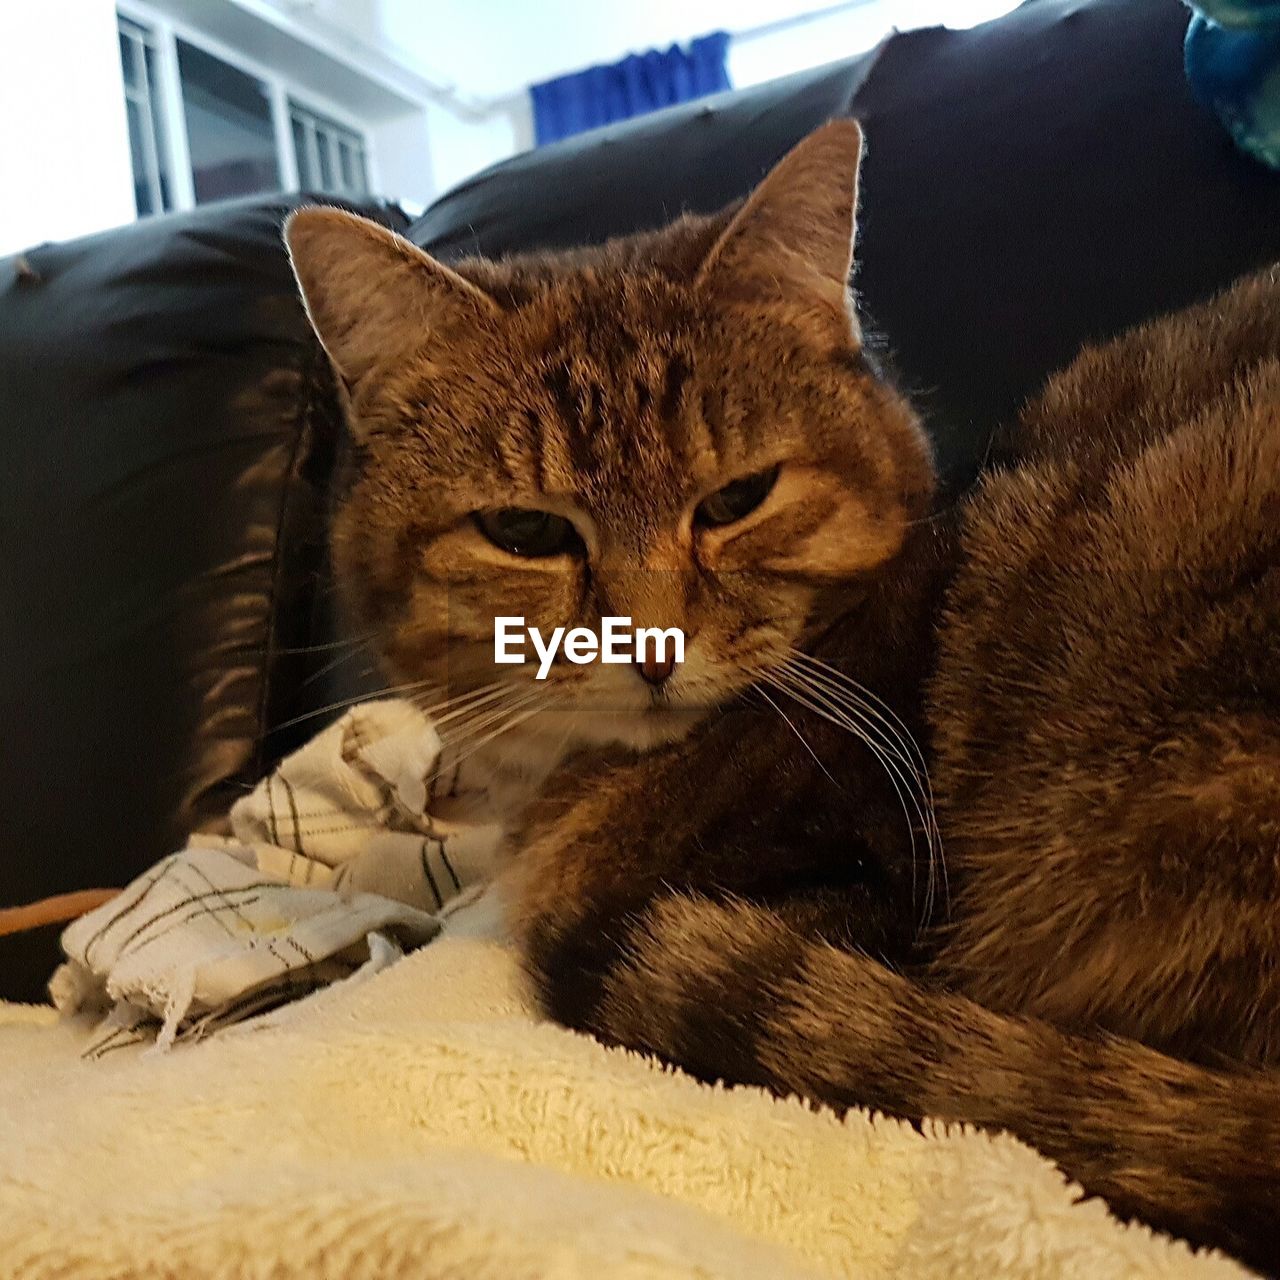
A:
x: 422, y: 1123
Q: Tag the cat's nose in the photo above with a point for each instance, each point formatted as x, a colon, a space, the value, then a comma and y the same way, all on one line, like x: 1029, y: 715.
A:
x: 655, y: 671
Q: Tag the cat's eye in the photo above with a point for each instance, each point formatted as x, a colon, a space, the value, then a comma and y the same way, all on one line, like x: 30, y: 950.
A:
x: 524, y: 531
x: 737, y: 500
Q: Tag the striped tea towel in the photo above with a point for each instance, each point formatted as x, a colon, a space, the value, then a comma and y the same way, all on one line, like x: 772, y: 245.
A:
x: 338, y: 860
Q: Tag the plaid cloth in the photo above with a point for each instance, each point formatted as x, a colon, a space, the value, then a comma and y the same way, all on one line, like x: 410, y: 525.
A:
x: 339, y: 860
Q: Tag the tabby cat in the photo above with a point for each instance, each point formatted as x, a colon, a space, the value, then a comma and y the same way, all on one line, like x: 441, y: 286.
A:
x: 738, y: 865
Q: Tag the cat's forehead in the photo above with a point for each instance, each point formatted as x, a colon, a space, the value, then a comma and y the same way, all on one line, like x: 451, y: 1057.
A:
x: 613, y: 424
x: 612, y: 365
x: 623, y: 392
x: 612, y: 313
x: 627, y: 394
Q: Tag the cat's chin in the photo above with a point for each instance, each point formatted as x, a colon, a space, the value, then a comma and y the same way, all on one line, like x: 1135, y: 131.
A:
x: 654, y: 727
x: 658, y: 729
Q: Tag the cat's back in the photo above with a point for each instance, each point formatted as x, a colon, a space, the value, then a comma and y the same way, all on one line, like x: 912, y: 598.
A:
x: 1111, y: 638
x: 1145, y: 492
x: 1116, y: 396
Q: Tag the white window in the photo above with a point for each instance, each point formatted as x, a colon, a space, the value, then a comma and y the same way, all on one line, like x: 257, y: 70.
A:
x: 330, y: 157
x: 152, y: 187
x: 207, y: 124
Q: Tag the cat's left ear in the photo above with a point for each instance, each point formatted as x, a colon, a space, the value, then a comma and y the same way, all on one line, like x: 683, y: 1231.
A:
x: 371, y: 295
x: 792, y: 241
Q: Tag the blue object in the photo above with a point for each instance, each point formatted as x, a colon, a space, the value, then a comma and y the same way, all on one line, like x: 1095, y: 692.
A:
x: 1233, y: 65
x: 1239, y: 13
x: 639, y: 83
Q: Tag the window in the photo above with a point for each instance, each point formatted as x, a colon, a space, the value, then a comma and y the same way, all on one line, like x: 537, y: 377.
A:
x: 330, y: 158
x: 206, y: 125
x: 152, y: 189
x: 230, y: 137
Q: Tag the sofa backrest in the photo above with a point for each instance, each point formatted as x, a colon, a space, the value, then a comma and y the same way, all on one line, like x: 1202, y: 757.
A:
x: 1031, y: 184
x: 168, y: 430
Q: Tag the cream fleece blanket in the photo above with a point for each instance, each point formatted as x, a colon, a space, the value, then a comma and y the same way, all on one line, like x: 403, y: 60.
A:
x: 422, y: 1123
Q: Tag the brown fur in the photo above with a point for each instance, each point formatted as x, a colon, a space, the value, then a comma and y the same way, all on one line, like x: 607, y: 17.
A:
x: 1089, y: 651
x: 617, y: 387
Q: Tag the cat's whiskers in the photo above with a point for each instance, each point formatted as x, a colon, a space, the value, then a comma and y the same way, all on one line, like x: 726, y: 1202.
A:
x: 897, y: 752
x: 856, y: 698
x: 835, y: 677
x: 353, y: 649
x: 468, y: 725
x: 326, y: 647
x: 804, y: 742
x: 509, y: 717
x: 888, y: 742
x: 884, y: 736
x: 462, y: 704
x: 849, y: 690
x: 345, y: 704
x: 815, y: 701
x: 850, y: 698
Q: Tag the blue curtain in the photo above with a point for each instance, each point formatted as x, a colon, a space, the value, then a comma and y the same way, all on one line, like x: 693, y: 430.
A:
x: 639, y: 83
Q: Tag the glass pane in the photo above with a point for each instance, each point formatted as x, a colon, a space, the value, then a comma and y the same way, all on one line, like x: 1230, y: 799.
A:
x: 158, y: 128
x: 126, y: 61
x: 229, y: 129
x: 362, y: 174
x: 306, y: 179
x: 330, y: 156
x: 352, y: 167
x: 328, y: 179
x: 141, y: 187
x: 147, y: 151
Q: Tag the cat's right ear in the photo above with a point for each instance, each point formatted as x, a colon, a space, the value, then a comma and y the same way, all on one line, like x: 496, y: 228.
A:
x: 792, y: 239
x: 370, y: 294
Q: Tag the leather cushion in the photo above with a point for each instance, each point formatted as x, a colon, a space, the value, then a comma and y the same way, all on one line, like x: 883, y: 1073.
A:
x: 1030, y: 184
x: 167, y: 426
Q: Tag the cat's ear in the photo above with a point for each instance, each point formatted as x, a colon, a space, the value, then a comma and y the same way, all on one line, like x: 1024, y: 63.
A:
x: 793, y: 238
x: 372, y: 295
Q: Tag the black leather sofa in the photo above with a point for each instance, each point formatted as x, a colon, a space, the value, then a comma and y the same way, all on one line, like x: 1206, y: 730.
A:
x: 169, y: 428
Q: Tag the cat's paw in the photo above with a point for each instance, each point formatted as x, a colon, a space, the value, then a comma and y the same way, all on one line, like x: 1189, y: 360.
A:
x: 569, y: 969
x: 693, y: 985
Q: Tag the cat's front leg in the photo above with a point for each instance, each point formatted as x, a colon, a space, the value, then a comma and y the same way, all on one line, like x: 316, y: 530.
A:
x: 592, y: 853
x: 606, y: 849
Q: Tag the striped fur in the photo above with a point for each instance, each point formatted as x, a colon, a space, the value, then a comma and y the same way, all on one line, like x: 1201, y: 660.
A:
x: 616, y: 388
x: 1104, y: 721
x: 1088, y: 652
x: 739, y: 992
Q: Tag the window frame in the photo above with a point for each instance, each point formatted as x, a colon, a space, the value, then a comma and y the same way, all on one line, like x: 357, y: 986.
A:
x: 336, y: 133
x: 164, y: 33
x: 144, y: 95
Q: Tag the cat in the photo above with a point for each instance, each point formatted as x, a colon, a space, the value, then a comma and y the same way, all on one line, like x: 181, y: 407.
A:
x: 1069, y: 681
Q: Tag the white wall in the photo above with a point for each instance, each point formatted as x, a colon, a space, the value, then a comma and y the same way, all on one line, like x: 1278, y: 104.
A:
x: 64, y: 167
x: 460, y: 146
x: 483, y: 54
x: 843, y: 32
x: 492, y: 48
x: 451, y: 97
